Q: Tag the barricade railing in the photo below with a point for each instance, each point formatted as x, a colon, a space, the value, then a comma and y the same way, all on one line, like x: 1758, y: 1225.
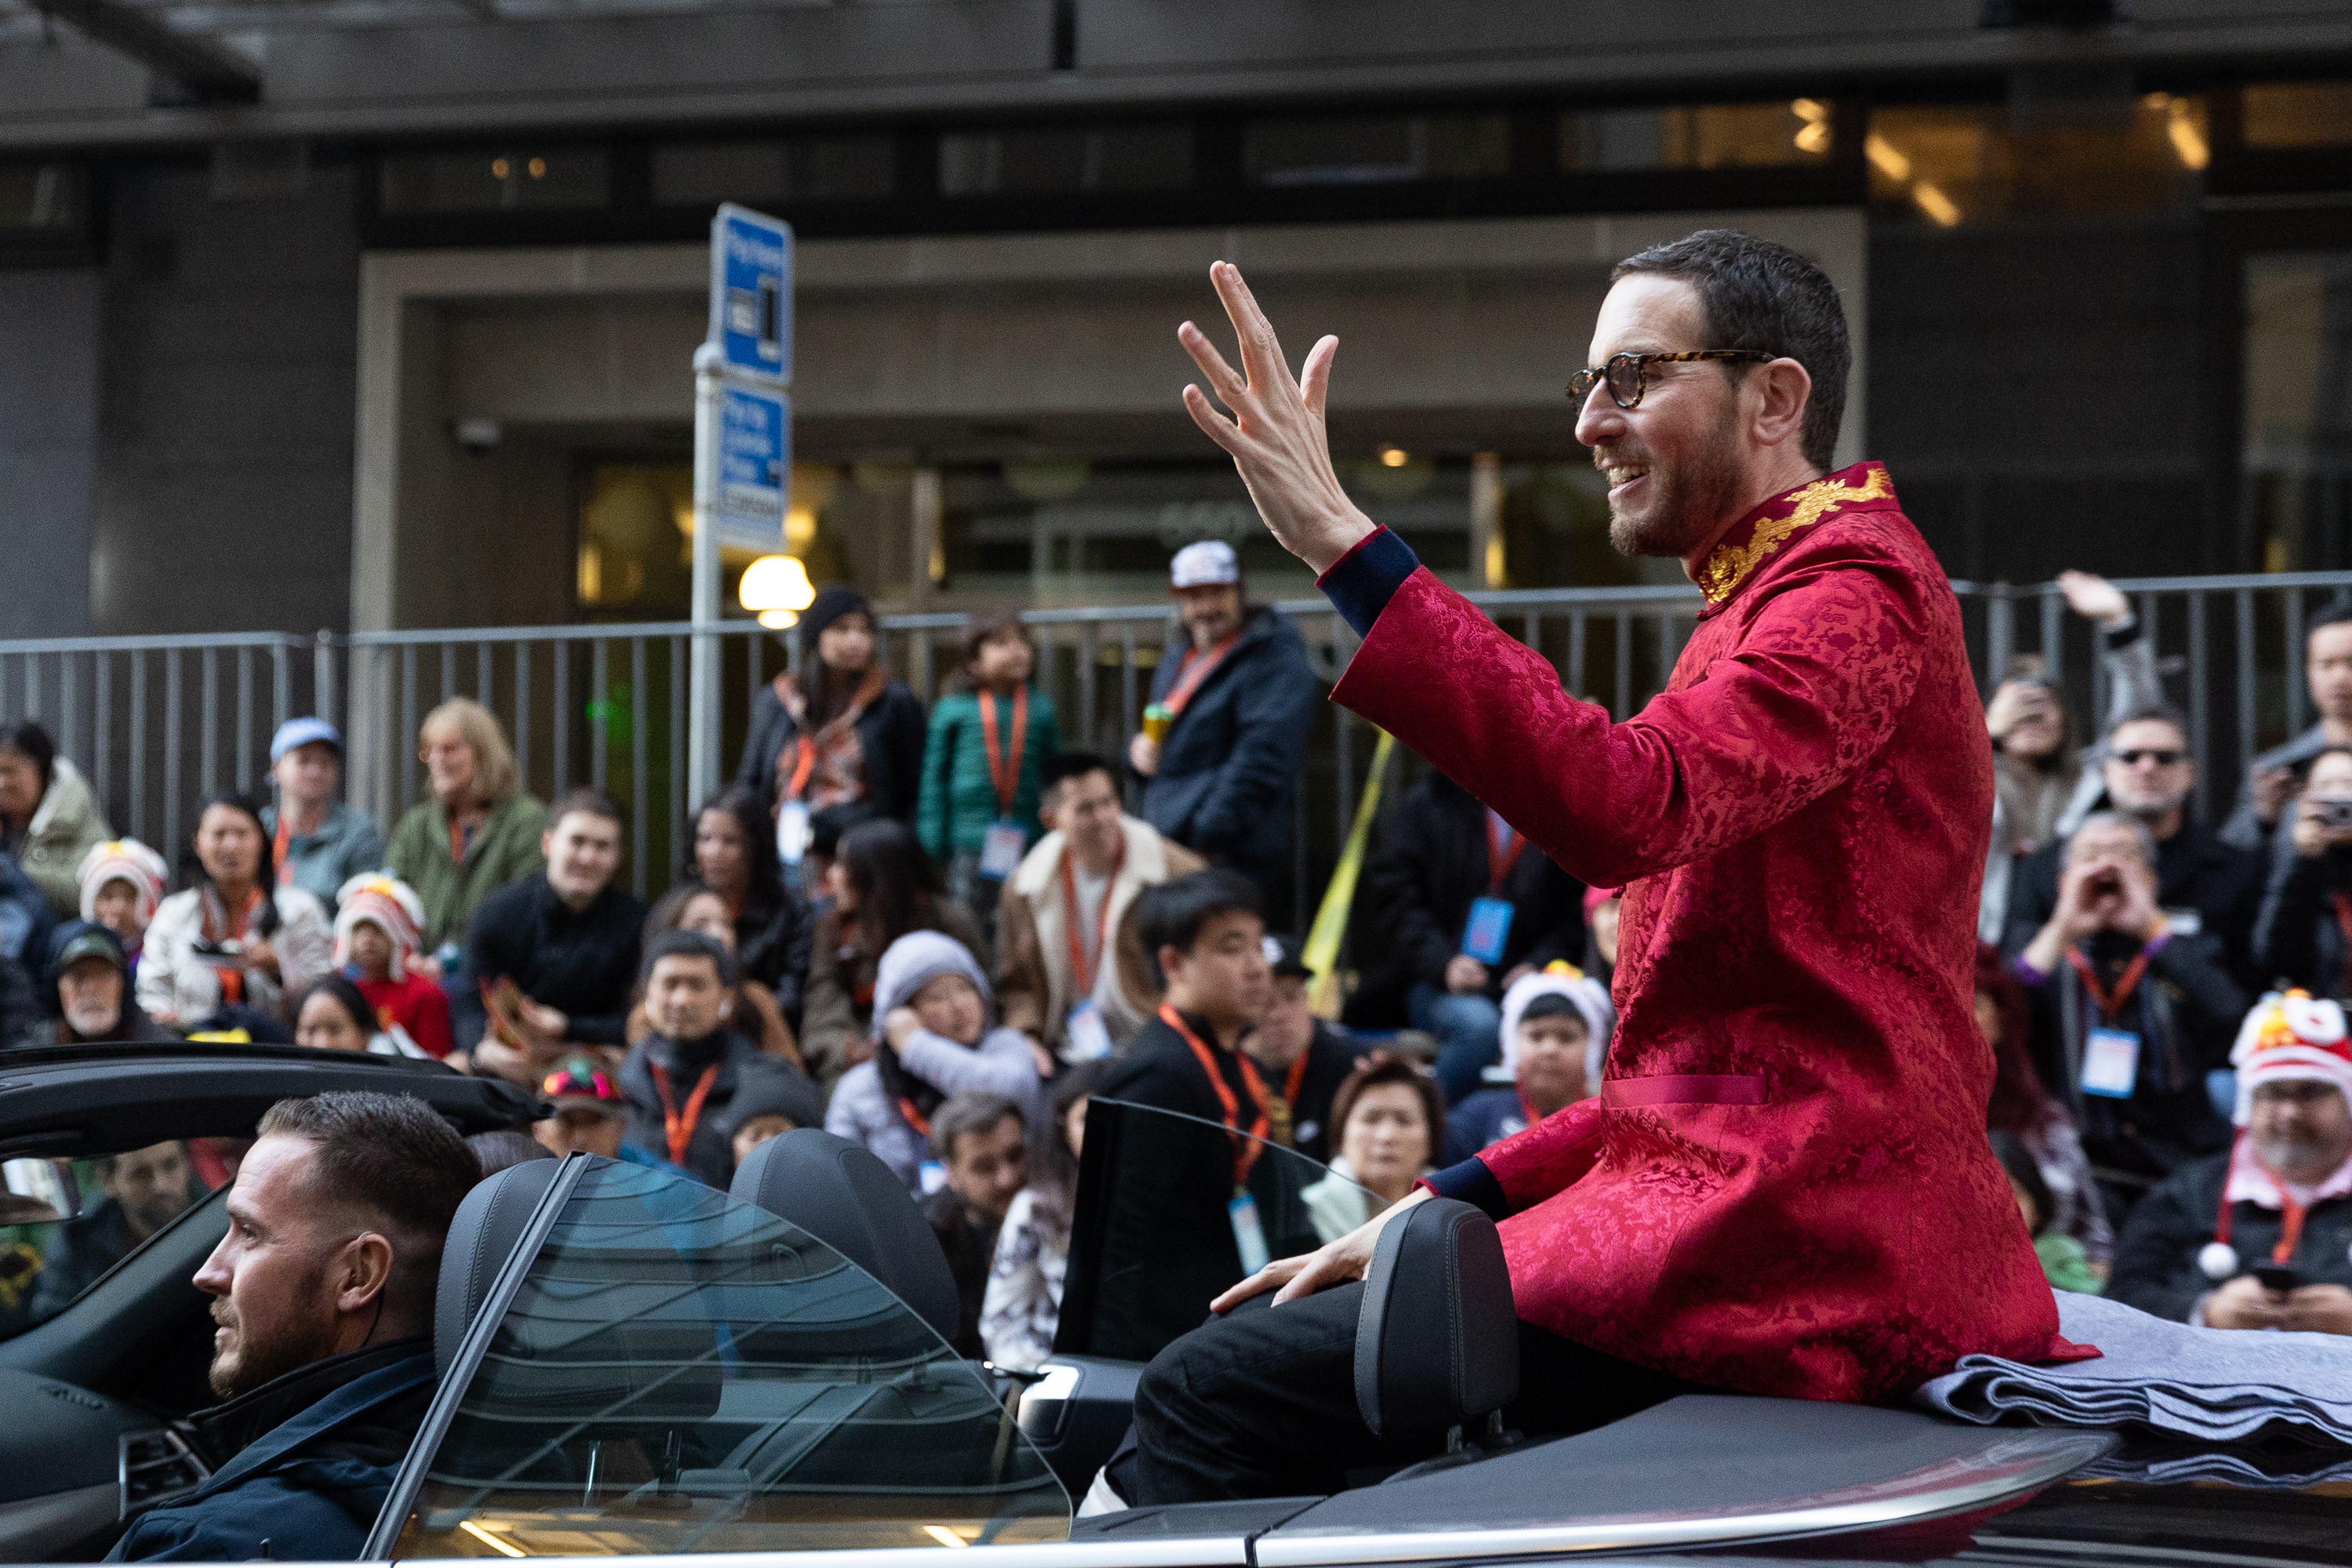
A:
x: 161, y: 722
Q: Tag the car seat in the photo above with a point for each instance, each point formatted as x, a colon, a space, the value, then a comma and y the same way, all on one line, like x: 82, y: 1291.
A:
x: 847, y: 1199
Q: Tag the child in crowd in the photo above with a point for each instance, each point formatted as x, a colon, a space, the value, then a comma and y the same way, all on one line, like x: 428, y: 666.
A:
x: 2064, y: 1262
x: 1023, y: 1305
x: 977, y: 814
x: 378, y: 919
x: 935, y: 1034
x: 590, y: 1115
x: 770, y: 1108
x: 1555, y: 1032
x: 122, y: 881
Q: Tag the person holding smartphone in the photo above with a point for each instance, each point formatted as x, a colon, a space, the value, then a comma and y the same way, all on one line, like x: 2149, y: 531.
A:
x: 2303, y: 934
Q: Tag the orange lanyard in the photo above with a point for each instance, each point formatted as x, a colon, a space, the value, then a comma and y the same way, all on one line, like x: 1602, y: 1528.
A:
x: 1005, y: 772
x: 1502, y: 852
x: 2291, y: 1215
x: 284, y: 841
x: 2111, y: 1005
x: 1195, y: 669
x: 802, y: 766
x: 681, y: 1127
x: 1249, y: 1149
x: 239, y: 923
x: 1084, y: 969
x: 915, y: 1119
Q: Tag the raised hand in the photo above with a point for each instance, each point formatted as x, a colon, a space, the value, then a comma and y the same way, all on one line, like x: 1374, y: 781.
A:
x: 1276, y: 435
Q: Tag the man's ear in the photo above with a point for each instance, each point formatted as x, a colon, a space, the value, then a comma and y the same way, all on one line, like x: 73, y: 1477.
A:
x: 360, y: 1272
x: 1171, y: 961
x: 1785, y: 391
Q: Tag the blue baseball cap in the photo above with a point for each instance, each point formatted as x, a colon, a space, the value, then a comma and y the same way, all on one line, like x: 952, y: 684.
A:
x: 301, y: 733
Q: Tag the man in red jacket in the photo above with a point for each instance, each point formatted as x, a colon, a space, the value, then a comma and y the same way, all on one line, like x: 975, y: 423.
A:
x: 1783, y: 1186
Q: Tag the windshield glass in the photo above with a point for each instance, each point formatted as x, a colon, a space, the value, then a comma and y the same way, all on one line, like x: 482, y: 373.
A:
x: 65, y: 1224
x: 681, y: 1372
x: 1161, y: 1224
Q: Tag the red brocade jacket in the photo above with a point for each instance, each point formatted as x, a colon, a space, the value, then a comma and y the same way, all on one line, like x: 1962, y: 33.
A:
x: 1784, y: 1185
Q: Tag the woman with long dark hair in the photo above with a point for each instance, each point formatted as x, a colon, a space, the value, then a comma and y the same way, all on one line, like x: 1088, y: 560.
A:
x: 231, y: 936
x: 882, y: 886
x: 730, y: 851
x: 2023, y: 1108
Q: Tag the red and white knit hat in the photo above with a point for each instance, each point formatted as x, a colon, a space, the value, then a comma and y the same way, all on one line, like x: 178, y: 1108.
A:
x: 2289, y: 1037
x: 384, y: 900
x: 123, y: 860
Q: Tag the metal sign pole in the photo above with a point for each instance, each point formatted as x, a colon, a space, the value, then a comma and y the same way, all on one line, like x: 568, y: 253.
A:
x: 702, y: 684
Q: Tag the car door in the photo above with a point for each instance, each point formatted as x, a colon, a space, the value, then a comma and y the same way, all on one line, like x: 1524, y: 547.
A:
x: 655, y: 1368
x: 116, y: 1161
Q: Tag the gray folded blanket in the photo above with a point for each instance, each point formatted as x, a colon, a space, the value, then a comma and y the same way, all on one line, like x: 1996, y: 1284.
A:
x: 2208, y: 1385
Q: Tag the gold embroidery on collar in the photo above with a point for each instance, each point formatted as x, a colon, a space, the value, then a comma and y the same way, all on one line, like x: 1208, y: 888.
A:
x: 1731, y: 564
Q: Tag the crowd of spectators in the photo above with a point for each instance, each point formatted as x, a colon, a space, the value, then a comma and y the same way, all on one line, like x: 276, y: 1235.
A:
x: 942, y: 938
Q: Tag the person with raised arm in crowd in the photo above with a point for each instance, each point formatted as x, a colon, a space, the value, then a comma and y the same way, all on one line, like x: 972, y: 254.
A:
x: 1023, y: 1305
x: 90, y: 994
x: 2148, y: 772
x: 2259, y: 1235
x: 123, y: 881
x: 2303, y: 935
x: 1072, y: 901
x: 2276, y: 776
x: 478, y: 833
x: 1302, y: 1059
x: 1224, y: 736
x: 1455, y: 905
x: 983, y: 764
x: 316, y: 842
x: 682, y: 1080
x: 692, y: 907
x: 48, y: 815
x: 843, y: 738
x: 379, y: 925
x: 234, y: 936
x: 981, y: 1140
x: 1387, y: 1122
x: 2068, y: 1202
x: 2132, y: 1012
x: 935, y: 1035
x: 2042, y: 786
x: 1799, y: 821
x: 1555, y: 1036
x: 882, y: 887
x: 323, y: 1288
x: 731, y: 851
x: 556, y: 953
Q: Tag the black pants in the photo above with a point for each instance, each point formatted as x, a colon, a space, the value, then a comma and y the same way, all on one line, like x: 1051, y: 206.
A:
x: 1262, y: 1403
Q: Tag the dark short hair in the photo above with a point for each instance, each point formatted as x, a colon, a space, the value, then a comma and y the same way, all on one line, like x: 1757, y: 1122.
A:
x: 2338, y: 614
x: 972, y: 1110
x: 594, y: 802
x: 1061, y: 768
x: 1756, y: 294
x: 1382, y: 1068
x: 688, y: 944
x: 391, y: 1156
x: 1171, y: 914
x: 502, y: 1147
x: 2152, y: 713
x: 1552, y: 1005
x: 987, y: 625
x: 28, y: 738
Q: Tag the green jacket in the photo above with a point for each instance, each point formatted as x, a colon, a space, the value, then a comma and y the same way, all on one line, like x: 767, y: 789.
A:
x: 958, y: 799
x: 505, y: 849
x: 64, y: 827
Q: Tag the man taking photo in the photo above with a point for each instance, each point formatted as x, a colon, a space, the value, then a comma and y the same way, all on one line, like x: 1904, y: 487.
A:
x: 323, y: 1290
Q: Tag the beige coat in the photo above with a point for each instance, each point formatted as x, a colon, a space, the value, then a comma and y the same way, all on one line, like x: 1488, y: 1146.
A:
x: 1034, y: 981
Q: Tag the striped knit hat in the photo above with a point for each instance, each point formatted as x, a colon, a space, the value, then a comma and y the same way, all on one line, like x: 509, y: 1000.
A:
x: 125, y: 860
x: 2289, y: 1036
x: 380, y: 900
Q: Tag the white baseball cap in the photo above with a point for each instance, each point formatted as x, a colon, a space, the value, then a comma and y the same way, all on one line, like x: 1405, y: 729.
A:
x: 1209, y: 562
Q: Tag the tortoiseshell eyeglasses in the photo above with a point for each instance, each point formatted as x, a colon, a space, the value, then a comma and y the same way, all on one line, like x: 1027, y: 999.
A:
x: 1627, y: 375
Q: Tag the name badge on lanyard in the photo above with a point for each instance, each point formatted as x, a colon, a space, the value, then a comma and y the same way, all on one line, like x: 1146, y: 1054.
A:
x: 1249, y: 1234
x: 2110, y: 1063
x: 1085, y: 1036
x: 999, y: 852
x: 1488, y: 930
x: 793, y: 833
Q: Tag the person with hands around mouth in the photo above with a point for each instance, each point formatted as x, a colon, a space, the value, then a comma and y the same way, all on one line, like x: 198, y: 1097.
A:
x: 1800, y: 823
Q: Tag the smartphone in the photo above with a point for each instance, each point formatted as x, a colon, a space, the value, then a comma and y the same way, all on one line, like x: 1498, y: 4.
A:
x: 2274, y: 1278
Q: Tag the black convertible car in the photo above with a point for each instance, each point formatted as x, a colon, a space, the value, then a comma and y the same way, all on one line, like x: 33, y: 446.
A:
x: 635, y: 1365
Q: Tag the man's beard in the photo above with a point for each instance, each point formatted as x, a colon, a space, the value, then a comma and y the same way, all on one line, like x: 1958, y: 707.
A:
x: 257, y: 1359
x: 158, y: 1211
x: 2300, y: 1158
x: 1688, y: 499
x: 94, y: 1023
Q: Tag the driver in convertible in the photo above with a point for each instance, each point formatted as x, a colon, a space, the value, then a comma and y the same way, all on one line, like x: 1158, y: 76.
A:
x: 1782, y: 1185
x: 323, y: 1292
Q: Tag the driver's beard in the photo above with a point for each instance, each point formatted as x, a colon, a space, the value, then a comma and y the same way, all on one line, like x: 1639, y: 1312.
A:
x: 1691, y: 497
x: 296, y: 1340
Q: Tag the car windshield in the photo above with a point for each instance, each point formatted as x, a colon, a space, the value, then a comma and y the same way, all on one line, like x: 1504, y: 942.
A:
x: 66, y: 1224
x: 1167, y: 1205
x: 682, y: 1372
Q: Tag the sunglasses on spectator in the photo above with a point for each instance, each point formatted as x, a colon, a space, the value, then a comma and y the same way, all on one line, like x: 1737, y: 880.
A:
x: 2162, y: 759
x: 1627, y: 375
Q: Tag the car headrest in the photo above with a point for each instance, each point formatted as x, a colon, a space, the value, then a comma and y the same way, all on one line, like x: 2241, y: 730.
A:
x: 847, y: 1199
x: 488, y: 1225
x: 1437, y: 1340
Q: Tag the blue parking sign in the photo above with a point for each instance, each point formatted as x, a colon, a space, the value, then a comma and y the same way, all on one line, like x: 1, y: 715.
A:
x: 754, y: 457
x: 752, y: 292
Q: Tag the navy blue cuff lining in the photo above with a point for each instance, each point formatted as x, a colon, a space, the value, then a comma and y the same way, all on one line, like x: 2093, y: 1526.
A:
x: 1360, y: 582
x: 1470, y: 1182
